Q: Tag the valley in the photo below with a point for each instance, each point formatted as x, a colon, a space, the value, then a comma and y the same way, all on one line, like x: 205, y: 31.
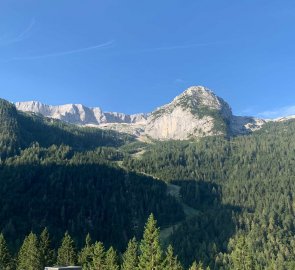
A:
x: 217, y: 197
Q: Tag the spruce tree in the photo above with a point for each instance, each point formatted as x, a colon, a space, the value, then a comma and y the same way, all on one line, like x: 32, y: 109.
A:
x: 197, y: 266
x: 47, y: 254
x: 241, y: 256
x: 150, y: 251
x: 193, y: 266
x: 5, y: 258
x: 111, y: 260
x: 66, y: 253
x: 98, y: 262
x: 130, y: 256
x: 29, y: 257
x: 170, y: 261
x: 86, y: 255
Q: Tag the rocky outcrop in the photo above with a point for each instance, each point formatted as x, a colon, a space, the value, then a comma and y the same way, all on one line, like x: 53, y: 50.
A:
x: 80, y: 114
x: 244, y: 125
x: 197, y: 112
x: 179, y: 124
x: 190, y: 114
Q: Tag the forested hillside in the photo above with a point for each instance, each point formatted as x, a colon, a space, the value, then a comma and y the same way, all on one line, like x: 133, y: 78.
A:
x: 68, y: 187
x: 244, y: 188
x: 239, y: 191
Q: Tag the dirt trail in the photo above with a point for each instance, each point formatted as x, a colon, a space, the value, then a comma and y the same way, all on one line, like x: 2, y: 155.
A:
x: 189, y: 212
x: 174, y: 191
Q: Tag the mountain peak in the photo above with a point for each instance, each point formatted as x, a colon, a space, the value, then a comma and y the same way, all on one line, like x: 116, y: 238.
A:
x: 197, y: 112
x: 201, y: 97
x: 197, y: 89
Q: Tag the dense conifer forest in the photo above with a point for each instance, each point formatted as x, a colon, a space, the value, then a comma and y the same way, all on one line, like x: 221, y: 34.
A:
x: 244, y: 189
x: 223, y: 203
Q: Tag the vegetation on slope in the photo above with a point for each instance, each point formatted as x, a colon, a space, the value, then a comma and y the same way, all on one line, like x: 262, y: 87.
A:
x: 67, y: 179
x: 55, y: 175
x: 244, y: 188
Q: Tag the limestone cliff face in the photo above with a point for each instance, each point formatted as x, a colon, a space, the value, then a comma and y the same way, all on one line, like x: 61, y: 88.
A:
x: 194, y: 113
x: 197, y: 112
x: 179, y: 124
x: 79, y: 114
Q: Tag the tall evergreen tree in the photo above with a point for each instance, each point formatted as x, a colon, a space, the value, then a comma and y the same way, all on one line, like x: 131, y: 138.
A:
x: 194, y: 266
x: 130, y: 257
x: 111, y: 260
x: 241, y: 257
x: 86, y: 255
x: 171, y: 262
x: 66, y: 253
x: 98, y: 262
x: 150, y: 250
x: 46, y: 252
x: 29, y: 257
x: 5, y: 257
x: 198, y: 266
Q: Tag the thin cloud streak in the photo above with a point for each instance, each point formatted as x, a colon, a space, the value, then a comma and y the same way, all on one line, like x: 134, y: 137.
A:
x: 108, y: 44
x: 22, y: 36
x: 26, y: 32
x: 280, y: 112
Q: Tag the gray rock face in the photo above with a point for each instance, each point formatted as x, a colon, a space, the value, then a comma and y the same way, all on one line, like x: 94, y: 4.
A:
x: 244, y: 125
x: 197, y: 112
x: 191, y: 114
x: 79, y: 114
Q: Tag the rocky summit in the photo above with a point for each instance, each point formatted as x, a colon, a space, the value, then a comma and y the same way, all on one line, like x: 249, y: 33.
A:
x: 197, y: 112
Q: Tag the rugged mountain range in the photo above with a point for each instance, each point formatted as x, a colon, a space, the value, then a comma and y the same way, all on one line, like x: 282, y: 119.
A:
x: 197, y: 112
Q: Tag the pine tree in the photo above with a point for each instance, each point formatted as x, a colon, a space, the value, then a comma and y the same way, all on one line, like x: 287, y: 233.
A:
x: 130, y: 257
x: 29, y: 257
x: 111, y: 260
x: 241, y: 256
x: 98, y: 262
x: 150, y: 251
x: 5, y: 258
x: 47, y: 254
x: 66, y: 253
x: 171, y: 262
x: 193, y: 266
x: 86, y: 254
x: 197, y: 266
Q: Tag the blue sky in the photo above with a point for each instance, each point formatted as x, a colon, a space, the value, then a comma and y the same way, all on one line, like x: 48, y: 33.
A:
x: 132, y: 56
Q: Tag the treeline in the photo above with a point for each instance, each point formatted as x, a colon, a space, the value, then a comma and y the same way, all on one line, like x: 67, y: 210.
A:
x: 252, y: 178
x: 37, y: 253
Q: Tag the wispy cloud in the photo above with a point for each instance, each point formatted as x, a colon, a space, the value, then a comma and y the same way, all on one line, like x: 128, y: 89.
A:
x: 108, y: 44
x: 21, y: 36
x: 279, y: 112
x: 63, y: 53
x: 27, y: 31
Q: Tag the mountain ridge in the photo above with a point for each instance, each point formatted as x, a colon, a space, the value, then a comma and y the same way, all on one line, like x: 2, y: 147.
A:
x: 197, y: 112
x: 61, y: 112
